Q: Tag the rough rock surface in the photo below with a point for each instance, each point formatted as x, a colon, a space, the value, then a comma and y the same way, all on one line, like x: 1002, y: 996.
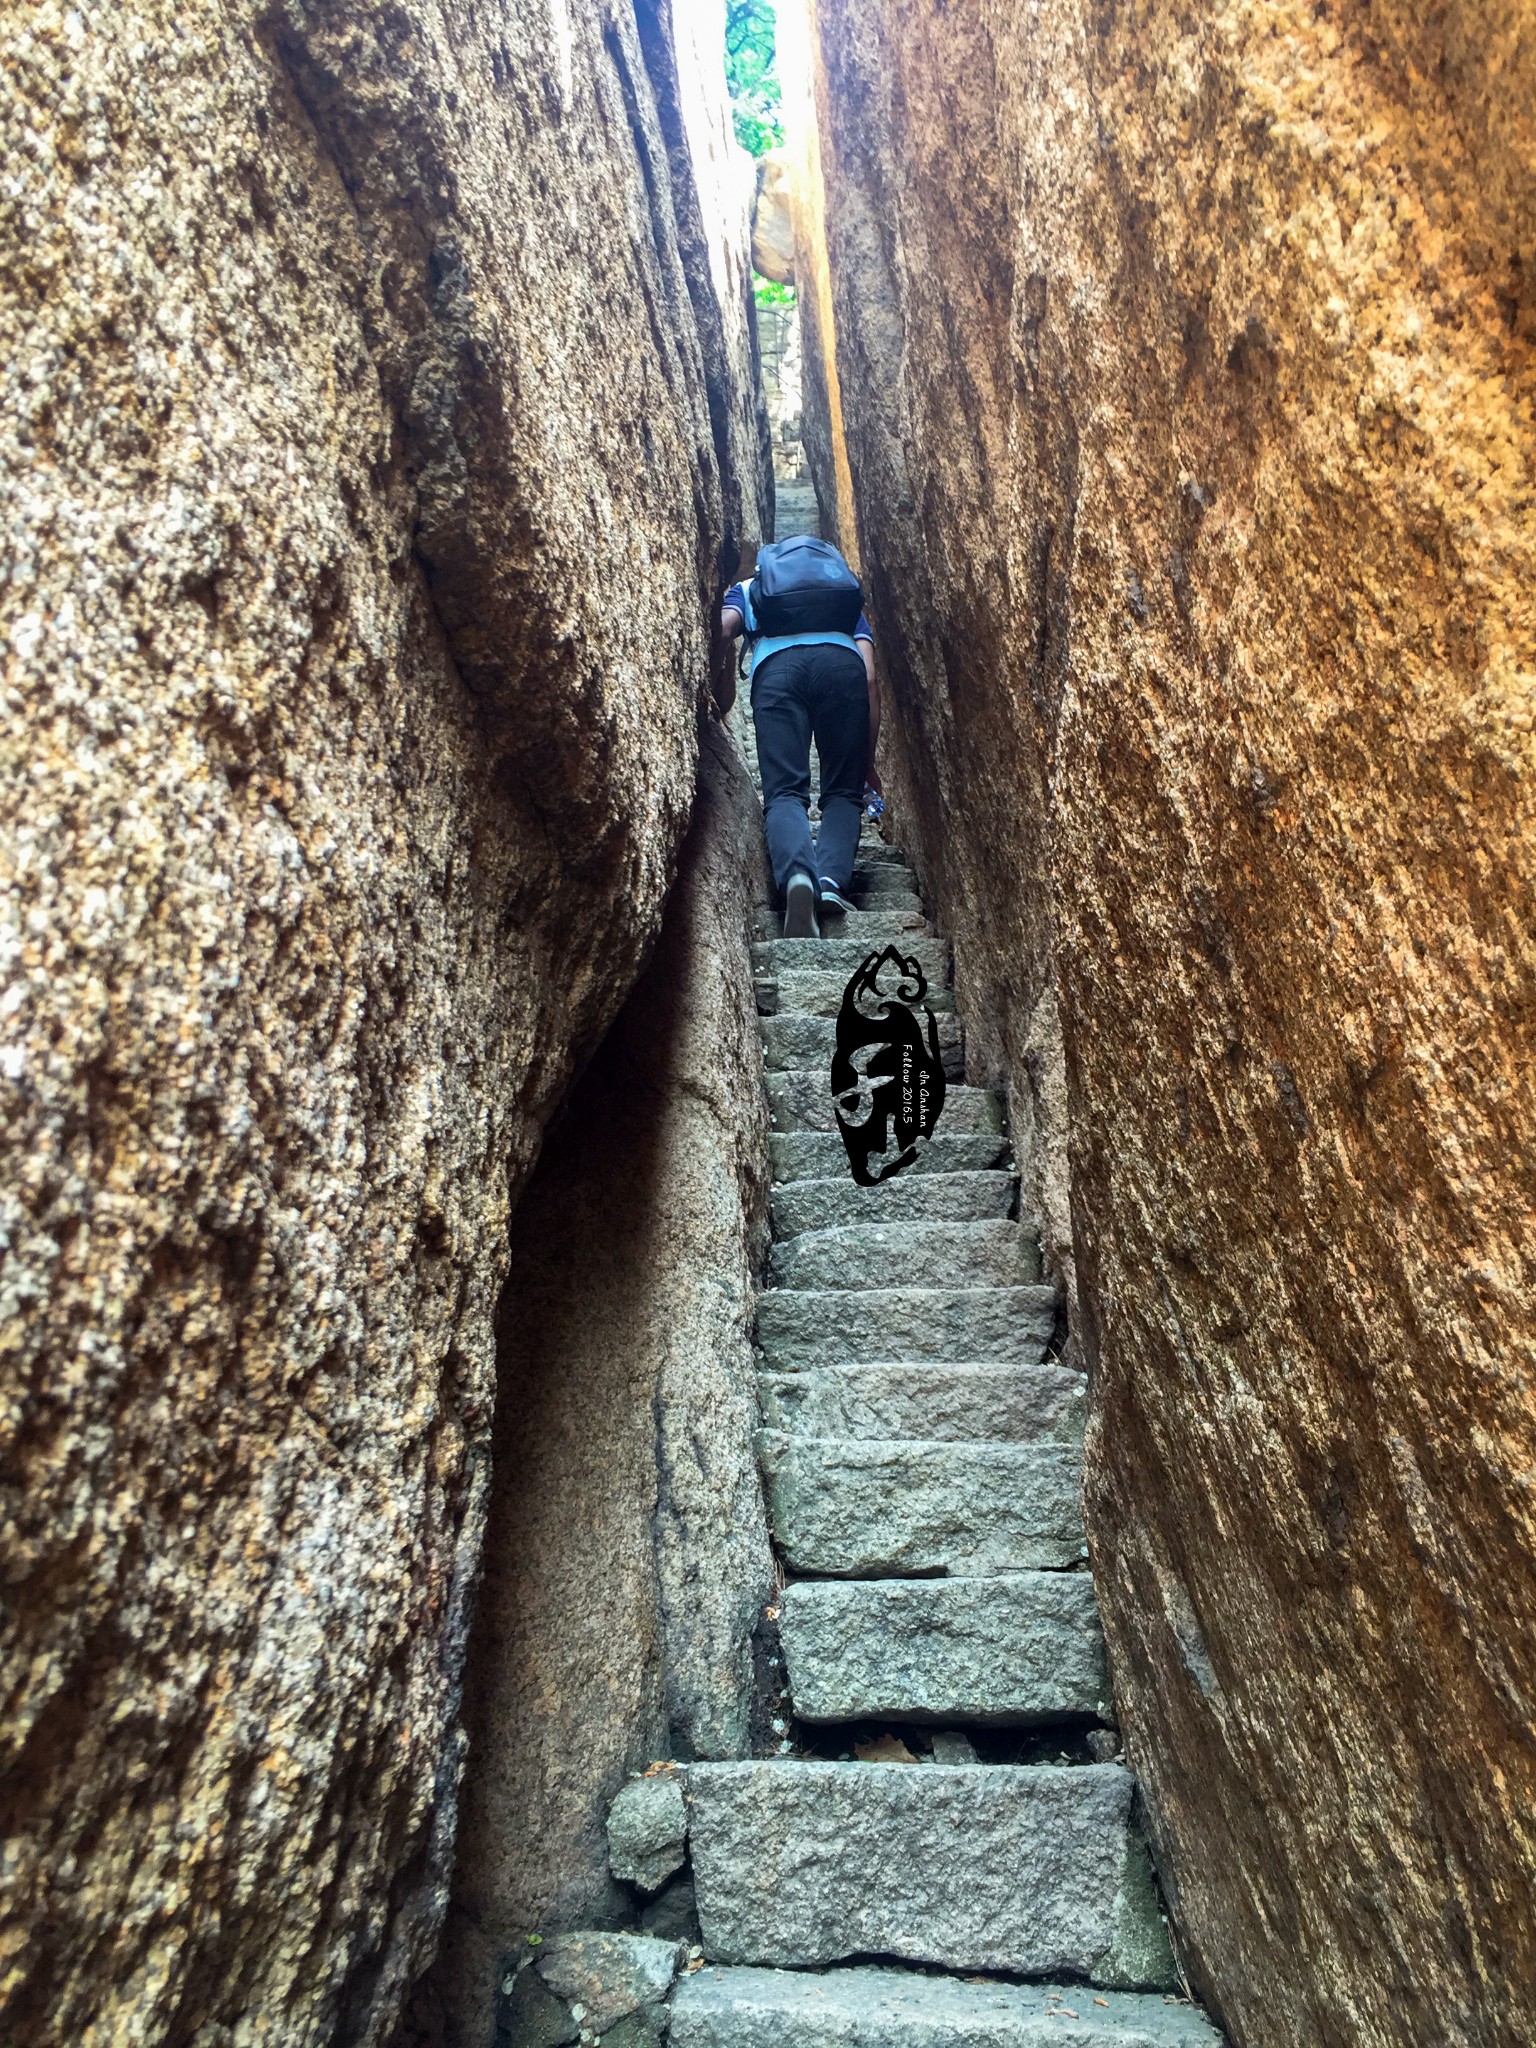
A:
x: 626, y: 1558
x: 990, y: 1867
x: 648, y: 1830
x: 867, y: 2008
x: 1188, y: 375
x: 350, y: 361
x: 608, y: 1975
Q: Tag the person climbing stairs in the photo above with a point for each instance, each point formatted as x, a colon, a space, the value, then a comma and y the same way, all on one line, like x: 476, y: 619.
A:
x: 937, y: 1857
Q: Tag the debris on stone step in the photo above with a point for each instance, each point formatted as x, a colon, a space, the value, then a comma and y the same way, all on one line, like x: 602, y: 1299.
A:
x: 1029, y: 1869
x: 648, y: 1830
x: 1018, y: 1649
x: 608, y: 1975
x: 883, y: 1749
x: 851, y: 1509
x: 803, y: 1326
x: 870, y: 2007
x: 951, y: 1747
x: 1103, y: 1745
x: 934, y: 1403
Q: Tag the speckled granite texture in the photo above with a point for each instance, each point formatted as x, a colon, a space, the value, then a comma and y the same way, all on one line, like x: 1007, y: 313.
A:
x: 352, y: 357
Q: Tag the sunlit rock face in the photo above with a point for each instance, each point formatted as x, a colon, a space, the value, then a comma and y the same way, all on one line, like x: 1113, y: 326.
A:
x: 365, y: 503
x: 1186, y: 361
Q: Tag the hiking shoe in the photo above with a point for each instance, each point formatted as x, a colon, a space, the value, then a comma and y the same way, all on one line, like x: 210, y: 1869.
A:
x: 800, y: 907
x: 832, y: 898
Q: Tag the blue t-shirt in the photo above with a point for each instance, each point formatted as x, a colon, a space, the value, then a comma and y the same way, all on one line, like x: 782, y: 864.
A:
x: 735, y: 599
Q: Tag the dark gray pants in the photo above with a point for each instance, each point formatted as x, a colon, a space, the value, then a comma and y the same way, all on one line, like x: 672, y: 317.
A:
x: 801, y: 694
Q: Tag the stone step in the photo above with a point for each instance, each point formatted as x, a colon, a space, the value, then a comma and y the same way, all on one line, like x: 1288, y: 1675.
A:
x: 820, y: 990
x: 822, y: 1155
x: 799, y: 1326
x: 886, y: 885
x: 1029, y: 1869
x: 1019, y: 1649
x: 806, y: 1041
x: 842, y: 956
x: 855, y: 1508
x: 1028, y: 1404
x: 936, y: 1197
x: 801, y: 1100
x: 870, y: 927
x: 885, y: 2008
x: 879, y: 1254
x: 875, y: 853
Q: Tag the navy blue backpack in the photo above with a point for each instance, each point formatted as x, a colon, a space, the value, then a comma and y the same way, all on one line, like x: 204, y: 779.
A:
x: 803, y: 585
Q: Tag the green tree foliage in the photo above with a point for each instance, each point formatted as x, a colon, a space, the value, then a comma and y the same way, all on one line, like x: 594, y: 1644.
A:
x: 750, y: 75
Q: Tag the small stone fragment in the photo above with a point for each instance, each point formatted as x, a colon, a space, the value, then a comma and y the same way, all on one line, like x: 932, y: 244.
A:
x: 951, y: 1747
x: 1103, y: 1745
x: 611, y: 1975
x: 648, y: 1830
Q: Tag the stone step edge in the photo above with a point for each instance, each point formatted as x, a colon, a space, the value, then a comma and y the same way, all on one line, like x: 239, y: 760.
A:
x: 725, y: 2006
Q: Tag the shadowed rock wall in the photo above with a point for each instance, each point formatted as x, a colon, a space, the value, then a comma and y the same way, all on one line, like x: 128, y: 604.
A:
x: 1186, y: 361
x: 354, y: 357
x: 627, y: 1558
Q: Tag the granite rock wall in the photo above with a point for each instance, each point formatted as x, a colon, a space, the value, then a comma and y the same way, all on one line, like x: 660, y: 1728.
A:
x: 1186, y: 362
x: 626, y: 1558
x: 353, y: 357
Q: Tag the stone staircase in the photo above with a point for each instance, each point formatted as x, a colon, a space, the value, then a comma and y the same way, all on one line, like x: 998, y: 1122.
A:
x: 940, y: 1799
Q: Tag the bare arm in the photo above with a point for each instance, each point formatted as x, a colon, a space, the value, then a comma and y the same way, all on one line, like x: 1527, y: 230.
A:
x: 871, y: 773
x: 731, y: 623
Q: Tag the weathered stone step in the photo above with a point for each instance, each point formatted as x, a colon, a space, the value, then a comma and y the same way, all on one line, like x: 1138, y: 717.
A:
x: 934, y: 1403
x: 805, y: 1041
x: 883, y: 885
x: 937, y: 1197
x: 870, y: 927
x: 875, y: 853
x: 852, y: 1508
x: 820, y: 990
x: 885, y: 2008
x: 819, y: 1326
x: 842, y: 956
x: 1029, y: 1869
x: 801, y: 1100
x: 880, y: 1254
x: 1019, y: 1649
x: 821, y: 1155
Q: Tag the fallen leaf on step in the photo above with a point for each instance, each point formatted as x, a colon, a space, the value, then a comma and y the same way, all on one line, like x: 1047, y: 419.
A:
x: 884, y: 1749
x: 1101, y: 2001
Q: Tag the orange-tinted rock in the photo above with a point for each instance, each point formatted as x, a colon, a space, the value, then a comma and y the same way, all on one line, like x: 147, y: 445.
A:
x: 355, y: 360
x: 1187, y: 367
